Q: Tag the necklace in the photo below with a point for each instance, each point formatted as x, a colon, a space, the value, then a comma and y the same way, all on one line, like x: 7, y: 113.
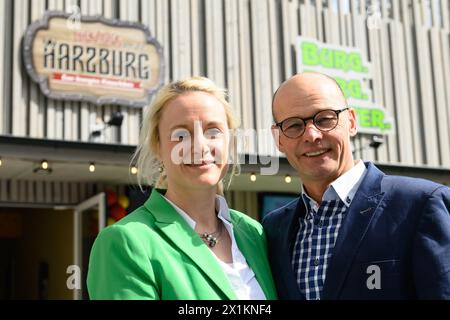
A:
x: 211, y: 239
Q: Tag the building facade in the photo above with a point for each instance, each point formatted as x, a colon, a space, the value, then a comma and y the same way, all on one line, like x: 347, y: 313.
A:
x: 246, y: 46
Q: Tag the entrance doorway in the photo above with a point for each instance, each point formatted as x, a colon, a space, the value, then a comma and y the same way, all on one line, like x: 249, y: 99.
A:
x: 38, y: 244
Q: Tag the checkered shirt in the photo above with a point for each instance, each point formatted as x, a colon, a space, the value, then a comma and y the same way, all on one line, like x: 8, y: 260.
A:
x: 314, y: 244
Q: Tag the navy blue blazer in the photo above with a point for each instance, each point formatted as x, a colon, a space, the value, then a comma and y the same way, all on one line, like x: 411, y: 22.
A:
x: 399, y: 224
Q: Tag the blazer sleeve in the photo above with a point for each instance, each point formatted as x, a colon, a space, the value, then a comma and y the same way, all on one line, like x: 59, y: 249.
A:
x: 119, y: 267
x: 431, y: 248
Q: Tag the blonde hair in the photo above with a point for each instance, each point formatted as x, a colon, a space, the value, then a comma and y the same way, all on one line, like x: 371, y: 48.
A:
x: 146, y: 152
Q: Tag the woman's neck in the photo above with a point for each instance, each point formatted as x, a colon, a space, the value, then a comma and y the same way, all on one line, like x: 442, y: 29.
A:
x: 198, y: 204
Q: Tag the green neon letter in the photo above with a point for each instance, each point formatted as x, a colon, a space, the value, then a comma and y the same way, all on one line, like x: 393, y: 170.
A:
x: 309, y: 54
x: 378, y: 119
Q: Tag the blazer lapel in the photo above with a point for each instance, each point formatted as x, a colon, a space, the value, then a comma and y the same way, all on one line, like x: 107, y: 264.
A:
x: 352, y: 232
x: 246, y: 244
x: 186, y: 240
x: 288, y: 241
x: 281, y: 250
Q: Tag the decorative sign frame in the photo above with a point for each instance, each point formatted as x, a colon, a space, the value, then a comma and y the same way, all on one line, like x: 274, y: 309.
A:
x: 93, y: 59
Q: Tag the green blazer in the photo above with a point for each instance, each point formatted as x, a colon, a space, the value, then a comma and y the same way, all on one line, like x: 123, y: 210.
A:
x: 153, y: 253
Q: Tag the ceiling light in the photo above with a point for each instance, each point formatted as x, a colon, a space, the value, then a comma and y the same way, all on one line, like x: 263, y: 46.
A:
x: 44, y: 165
x: 287, y: 179
x: 134, y: 170
x: 43, y: 168
x: 253, y: 177
x: 92, y: 167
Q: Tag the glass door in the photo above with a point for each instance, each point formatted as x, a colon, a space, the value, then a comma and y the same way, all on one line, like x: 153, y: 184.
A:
x: 89, y: 219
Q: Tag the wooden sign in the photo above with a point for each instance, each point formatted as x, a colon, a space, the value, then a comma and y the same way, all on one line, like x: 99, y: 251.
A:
x: 93, y: 59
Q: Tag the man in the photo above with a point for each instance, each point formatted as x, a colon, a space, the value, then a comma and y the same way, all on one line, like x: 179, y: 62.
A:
x: 354, y: 233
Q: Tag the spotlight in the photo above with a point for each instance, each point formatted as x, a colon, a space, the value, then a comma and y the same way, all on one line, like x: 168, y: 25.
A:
x: 1, y: 162
x: 376, y: 141
x: 116, y: 119
x: 287, y: 179
x: 253, y: 177
x: 44, y: 165
x: 43, y: 168
x: 99, y: 127
x: 92, y: 167
x: 134, y: 170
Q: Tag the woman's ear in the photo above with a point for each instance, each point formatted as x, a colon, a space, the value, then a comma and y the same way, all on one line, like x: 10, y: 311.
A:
x: 158, y: 150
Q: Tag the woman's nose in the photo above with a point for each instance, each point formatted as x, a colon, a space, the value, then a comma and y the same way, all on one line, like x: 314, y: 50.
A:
x: 200, y: 145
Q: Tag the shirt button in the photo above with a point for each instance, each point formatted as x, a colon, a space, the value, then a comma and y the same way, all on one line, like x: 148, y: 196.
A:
x: 320, y: 224
x: 348, y: 200
x: 316, y: 262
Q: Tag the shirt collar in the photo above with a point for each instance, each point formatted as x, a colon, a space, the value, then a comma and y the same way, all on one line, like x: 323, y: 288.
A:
x: 343, y: 188
x: 239, y: 261
x: 221, y: 208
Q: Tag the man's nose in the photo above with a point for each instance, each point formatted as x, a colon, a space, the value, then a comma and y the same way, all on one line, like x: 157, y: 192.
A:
x: 311, y: 134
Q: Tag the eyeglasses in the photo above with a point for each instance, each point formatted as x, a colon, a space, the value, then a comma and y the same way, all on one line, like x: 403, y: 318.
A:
x: 324, y: 120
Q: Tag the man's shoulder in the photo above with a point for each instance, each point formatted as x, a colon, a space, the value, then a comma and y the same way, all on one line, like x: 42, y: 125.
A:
x: 406, y: 185
x: 280, y: 213
x: 409, y: 185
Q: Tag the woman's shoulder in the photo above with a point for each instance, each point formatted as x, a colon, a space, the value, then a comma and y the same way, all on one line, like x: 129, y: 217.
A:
x: 244, y: 219
x: 136, y: 223
x: 139, y: 215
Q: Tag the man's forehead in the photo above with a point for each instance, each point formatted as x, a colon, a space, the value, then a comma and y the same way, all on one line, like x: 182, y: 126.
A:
x: 305, y: 84
x: 309, y: 90
x: 316, y: 96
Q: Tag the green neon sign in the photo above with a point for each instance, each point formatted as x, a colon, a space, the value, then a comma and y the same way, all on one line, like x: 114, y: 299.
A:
x: 372, y: 119
x: 351, y: 71
x: 352, y: 88
x: 329, y: 58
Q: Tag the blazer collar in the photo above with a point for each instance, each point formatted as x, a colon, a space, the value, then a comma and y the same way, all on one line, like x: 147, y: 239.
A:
x: 353, y: 229
x: 186, y: 240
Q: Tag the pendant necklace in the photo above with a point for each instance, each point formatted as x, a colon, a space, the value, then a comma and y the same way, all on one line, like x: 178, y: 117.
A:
x: 211, y: 239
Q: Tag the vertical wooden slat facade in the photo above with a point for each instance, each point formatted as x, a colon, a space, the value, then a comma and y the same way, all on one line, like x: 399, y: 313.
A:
x: 20, y: 84
x: 51, y: 192
x: 247, y: 47
x: 4, y: 110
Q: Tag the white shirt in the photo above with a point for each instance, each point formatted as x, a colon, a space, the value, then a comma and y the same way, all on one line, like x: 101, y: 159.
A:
x: 344, y: 187
x: 241, y: 276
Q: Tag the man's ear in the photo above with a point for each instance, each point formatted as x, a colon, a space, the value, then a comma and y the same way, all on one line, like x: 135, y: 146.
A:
x: 276, y: 137
x: 352, y: 118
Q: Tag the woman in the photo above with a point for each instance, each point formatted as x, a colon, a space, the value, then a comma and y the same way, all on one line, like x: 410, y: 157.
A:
x: 184, y: 242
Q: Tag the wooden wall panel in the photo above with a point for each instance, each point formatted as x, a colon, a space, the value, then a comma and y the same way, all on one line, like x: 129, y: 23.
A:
x: 247, y: 47
x: 4, y: 108
x: 20, y: 92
